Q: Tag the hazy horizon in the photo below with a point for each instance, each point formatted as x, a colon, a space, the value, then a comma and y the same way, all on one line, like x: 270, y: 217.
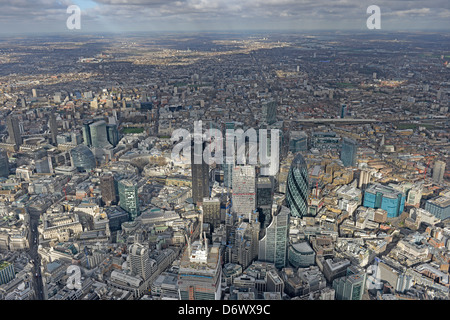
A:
x: 122, y: 16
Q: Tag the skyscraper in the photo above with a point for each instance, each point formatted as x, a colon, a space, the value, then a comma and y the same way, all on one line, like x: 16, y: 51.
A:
x: 108, y: 189
x: 200, y: 273
x: 211, y: 211
x: 273, y: 246
x: 87, y: 133
x: 128, y: 198
x: 113, y: 134
x: 244, y: 190
x: 264, y: 199
x: 140, y: 263
x: 351, y: 286
x: 439, y: 171
x: 99, y: 135
x: 364, y: 178
x: 83, y: 158
x: 297, y: 189
x: 15, y: 137
x: 227, y: 166
x: 53, y: 127
x: 348, y: 152
x: 4, y: 164
x: 246, y: 242
x: 200, y: 177
x: 269, y: 111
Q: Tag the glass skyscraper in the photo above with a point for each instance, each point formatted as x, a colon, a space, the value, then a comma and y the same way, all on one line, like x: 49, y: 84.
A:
x: 4, y: 164
x: 128, y: 197
x: 113, y: 134
x: 384, y: 197
x: 348, y: 152
x: 273, y: 246
x: 264, y: 200
x: 99, y: 135
x: 83, y: 158
x: 200, y: 177
x: 297, y: 189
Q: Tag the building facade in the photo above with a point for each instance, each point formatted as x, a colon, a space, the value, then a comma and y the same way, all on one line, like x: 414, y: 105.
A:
x: 297, y: 189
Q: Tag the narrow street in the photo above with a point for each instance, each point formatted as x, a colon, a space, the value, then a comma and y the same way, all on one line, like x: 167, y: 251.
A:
x: 33, y: 240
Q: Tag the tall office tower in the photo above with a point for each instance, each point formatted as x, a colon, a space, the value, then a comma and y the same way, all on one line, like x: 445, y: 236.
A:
x: 273, y: 153
x: 343, y: 111
x: 211, y: 212
x: 439, y: 171
x: 297, y: 189
x: 22, y: 102
x: 200, y: 273
x: 285, y: 139
x: 128, y: 198
x: 384, y: 197
x: 112, y: 134
x: 87, y: 140
x: 244, y: 190
x: 6, y: 272
x: 99, y: 135
x: 269, y: 111
x: 4, y: 164
x: 348, y: 152
x: 15, y: 137
x: 364, y: 178
x: 351, y: 286
x: 108, y: 189
x: 200, y: 176
x: 140, y: 263
x: 227, y: 167
x: 264, y: 199
x: 83, y: 158
x: 34, y: 93
x: 246, y: 242
x: 53, y: 127
x: 273, y: 246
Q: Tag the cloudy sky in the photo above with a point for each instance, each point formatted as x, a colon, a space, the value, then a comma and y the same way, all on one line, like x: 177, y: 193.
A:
x: 39, y: 16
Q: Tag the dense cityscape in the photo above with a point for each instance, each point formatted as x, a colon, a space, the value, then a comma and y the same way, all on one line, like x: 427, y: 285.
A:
x: 95, y: 207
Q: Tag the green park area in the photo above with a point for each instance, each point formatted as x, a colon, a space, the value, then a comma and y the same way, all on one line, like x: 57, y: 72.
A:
x: 129, y: 130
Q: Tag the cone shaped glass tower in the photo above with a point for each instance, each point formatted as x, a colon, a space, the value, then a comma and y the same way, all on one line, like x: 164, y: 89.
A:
x: 297, y: 189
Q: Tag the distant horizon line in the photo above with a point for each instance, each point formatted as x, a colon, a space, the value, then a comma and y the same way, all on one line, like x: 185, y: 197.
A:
x: 231, y: 31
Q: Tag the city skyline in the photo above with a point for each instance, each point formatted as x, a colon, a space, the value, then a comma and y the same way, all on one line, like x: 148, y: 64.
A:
x: 117, y: 16
x: 96, y: 202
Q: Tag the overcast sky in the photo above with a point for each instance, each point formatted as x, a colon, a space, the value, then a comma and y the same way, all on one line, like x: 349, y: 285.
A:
x: 40, y: 16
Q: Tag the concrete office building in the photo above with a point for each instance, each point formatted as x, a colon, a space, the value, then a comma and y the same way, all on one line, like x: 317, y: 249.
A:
x: 244, y: 190
x: 439, y: 171
x: 301, y: 255
x: 439, y: 207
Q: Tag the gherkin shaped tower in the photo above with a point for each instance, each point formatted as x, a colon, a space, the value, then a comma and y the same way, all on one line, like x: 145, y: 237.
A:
x: 297, y: 188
